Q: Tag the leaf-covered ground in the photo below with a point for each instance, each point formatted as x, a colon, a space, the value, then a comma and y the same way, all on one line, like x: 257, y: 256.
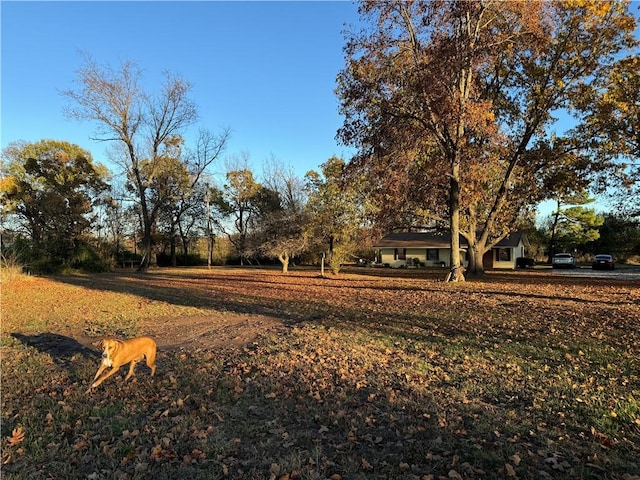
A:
x: 372, y: 374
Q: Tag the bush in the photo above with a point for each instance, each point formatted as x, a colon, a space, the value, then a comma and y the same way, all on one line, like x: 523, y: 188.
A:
x: 89, y: 259
x: 10, y: 266
x: 45, y: 266
x: 192, y: 260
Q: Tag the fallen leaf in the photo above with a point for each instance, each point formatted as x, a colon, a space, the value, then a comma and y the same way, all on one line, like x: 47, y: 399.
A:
x: 16, y: 437
x: 454, y: 475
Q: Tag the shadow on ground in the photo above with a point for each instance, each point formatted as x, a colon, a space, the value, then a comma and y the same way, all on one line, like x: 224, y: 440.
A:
x: 62, y: 349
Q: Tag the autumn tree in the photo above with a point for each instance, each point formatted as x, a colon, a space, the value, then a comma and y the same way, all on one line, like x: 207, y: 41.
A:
x: 333, y: 212
x: 235, y: 207
x: 179, y: 190
x: 468, y: 90
x: 610, y: 128
x: 143, y: 125
x: 395, y: 193
x: 51, y: 187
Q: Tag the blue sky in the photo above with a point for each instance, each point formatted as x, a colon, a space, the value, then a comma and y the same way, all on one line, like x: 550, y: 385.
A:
x: 264, y: 69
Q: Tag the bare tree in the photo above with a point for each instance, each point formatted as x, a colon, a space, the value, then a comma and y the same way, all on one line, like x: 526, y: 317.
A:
x: 145, y: 125
x: 181, y: 183
x: 282, y: 222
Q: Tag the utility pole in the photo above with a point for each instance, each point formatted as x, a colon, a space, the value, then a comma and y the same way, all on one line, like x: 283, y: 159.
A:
x: 209, y: 239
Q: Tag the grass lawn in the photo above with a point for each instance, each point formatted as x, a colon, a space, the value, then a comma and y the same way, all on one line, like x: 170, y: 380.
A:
x: 372, y: 374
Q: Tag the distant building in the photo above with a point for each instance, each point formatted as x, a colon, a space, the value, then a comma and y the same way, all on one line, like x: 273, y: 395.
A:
x: 432, y: 249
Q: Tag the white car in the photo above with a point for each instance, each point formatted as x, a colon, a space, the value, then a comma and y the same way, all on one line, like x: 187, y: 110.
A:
x: 563, y: 260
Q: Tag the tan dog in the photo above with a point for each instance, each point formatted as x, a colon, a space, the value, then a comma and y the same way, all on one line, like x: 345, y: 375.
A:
x: 120, y: 352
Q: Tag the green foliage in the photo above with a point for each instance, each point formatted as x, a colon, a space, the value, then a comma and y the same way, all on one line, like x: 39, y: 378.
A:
x: 572, y: 226
x: 619, y: 236
x: 235, y: 207
x: 192, y: 259
x: 334, y: 214
x: 55, y: 186
x: 89, y: 259
x: 578, y: 226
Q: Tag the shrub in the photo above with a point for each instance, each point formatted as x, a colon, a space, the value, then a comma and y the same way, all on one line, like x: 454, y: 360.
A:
x: 10, y: 266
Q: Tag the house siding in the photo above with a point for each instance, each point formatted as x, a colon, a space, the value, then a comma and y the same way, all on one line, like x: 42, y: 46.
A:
x: 416, y: 245
x: 388, y: 256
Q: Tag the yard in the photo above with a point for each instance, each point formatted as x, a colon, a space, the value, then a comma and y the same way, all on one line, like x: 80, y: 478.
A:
x: 372, y: 374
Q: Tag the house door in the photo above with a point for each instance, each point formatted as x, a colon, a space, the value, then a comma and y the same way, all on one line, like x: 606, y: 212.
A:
x: 487, y: 260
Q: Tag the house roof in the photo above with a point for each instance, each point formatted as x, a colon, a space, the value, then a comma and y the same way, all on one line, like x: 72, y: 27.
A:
x: 437, y: 240
x: 513, y: 239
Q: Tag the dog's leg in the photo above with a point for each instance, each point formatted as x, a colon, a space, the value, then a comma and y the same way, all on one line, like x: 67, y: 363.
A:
x: 113, y: 371
x: 151, y: 361
x: 131, y: 366
x: 100, y: 370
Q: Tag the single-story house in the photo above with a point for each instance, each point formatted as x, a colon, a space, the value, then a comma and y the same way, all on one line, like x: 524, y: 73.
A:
x: 432, y: 249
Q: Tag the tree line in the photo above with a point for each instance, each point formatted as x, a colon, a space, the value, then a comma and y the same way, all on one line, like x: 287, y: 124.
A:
x: 451, y: 106
x: 62, y: 210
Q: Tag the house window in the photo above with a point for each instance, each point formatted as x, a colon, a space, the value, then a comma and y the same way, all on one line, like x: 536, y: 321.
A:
x: 433, y: 254
x: 503, y: 254
x: 401, y: 253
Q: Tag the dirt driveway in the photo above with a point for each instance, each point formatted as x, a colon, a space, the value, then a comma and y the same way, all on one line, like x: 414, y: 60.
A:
x: 219, y: 331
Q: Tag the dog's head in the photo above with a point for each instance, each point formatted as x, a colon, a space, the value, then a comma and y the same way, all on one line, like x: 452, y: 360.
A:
x: 108, y: 346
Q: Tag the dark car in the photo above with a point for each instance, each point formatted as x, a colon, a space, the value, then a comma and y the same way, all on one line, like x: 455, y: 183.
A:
x: 604, y: 262
x: 525, y: 262
x: 563, y: 260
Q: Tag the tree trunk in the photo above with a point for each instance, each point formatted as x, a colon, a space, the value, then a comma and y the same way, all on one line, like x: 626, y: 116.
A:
x: 210, y: 242
x: 454, y: 212
x: 330, y: 256
x: 184, y: 240
x: 456, y: 274
x: 174, y: 258
x: 476, y: 255
x: 554, y: 234
x: 147, y: 248
x: 284, y: 260
x: 172, y: 246
x: 147, y: 221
